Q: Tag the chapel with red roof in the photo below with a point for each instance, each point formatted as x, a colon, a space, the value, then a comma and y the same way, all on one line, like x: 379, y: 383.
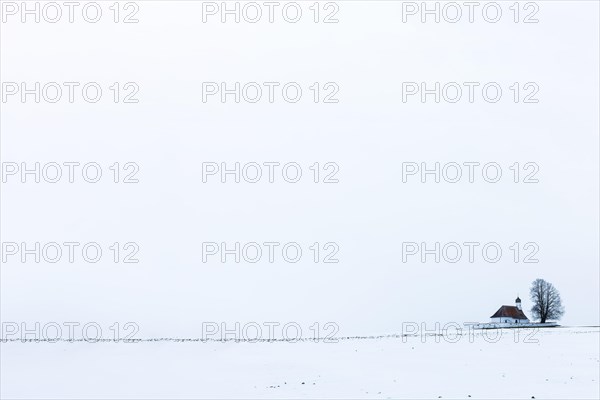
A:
x: 510, y: 314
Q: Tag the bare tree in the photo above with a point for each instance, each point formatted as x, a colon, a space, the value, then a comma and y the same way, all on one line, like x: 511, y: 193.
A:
x: 546, y: 301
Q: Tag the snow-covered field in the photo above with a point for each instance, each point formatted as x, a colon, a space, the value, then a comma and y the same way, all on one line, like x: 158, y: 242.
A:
x: 564, y: 363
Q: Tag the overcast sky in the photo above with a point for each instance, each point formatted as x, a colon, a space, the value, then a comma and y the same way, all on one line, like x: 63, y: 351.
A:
x: 369, y: 134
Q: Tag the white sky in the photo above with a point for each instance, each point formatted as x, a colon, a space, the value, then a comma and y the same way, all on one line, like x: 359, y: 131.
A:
x: 369, y: 134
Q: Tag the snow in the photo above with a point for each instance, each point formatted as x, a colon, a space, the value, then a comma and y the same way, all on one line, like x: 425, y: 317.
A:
x: 563, y: 363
